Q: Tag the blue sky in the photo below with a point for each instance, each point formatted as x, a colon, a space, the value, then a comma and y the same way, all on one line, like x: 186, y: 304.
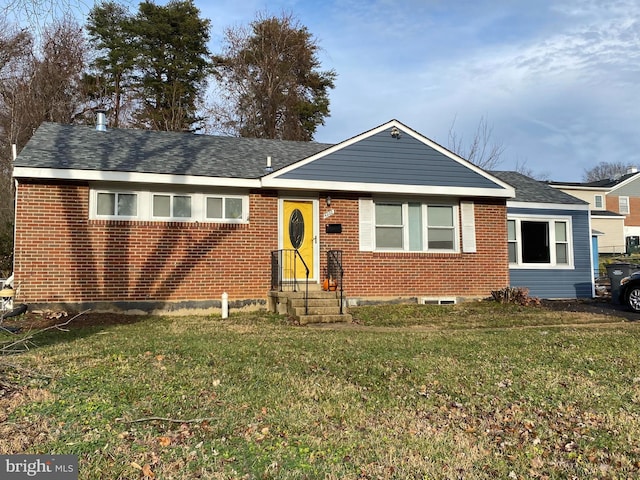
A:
x: 558, y: 81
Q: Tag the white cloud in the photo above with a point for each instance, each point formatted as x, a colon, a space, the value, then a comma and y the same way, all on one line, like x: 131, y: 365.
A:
x: 564, y: 96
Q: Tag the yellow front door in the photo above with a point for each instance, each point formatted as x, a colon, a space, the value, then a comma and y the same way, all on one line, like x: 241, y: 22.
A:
x: 297, y: 233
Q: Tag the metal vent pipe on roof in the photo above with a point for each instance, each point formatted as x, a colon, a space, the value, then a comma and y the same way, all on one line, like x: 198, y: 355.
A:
x: 101, y: 120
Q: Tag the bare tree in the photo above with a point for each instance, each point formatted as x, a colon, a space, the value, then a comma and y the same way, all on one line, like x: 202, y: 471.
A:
x: 45, y: 85
x: 39, y: 13
x: 15, y: 57
x: 482, y: 151
x: 605, y: 170
x: 14, y: 43
x: 522, y: 168
x: 35, y: 86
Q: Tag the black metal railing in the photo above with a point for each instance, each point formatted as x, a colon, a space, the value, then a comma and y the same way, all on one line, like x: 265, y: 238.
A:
x: 335, y: 272
x: 286, y: 265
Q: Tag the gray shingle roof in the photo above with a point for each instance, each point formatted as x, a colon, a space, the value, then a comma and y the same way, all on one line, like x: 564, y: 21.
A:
x: 126, y: 150
x: 530, y: 190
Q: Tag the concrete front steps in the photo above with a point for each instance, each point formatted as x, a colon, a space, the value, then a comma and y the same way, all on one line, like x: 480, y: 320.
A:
x: 323, y: 307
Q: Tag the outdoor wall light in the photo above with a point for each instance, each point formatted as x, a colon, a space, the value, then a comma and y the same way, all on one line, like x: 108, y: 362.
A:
x: 328, y: 201
x: 395, y: 133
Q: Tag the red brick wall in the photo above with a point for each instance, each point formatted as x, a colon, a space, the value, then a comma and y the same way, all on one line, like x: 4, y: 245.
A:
x: 372, y: 274
x: 612, y: 203
x: 62, y: 256
x: 631, y: 220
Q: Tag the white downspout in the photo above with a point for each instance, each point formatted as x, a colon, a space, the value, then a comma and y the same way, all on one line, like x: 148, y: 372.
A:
x: 14, y: 154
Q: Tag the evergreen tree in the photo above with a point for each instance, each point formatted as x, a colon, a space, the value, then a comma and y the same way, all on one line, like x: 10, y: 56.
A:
x: 172, y: 64
x: 109, y: 29
x: 152, y: 67
x: 271, y: 81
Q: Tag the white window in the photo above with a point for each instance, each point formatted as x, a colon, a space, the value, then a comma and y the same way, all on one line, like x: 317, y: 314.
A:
x: 413, y: 226
x: 623, y: 205
x: 512, y: 241
x: 172, y: 206
x: 116, y: 204
x: 224, y: 208
x: 441, y: 229
x: 598, y: 201
x: 539, y: 242
x: 389, y: 227
x: 168, y: 206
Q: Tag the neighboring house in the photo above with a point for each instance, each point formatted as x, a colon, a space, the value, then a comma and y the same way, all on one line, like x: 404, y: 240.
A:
x: 145, y: 220
x: 615, y: 209
x: 550, y: 240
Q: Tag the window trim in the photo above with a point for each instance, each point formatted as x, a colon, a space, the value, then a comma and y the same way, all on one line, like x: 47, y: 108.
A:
x: 448, y: 228
x: 627, y: 209
x: 402, y: 226
x: 171, y: 217
x: 223, y: 219
x: 116, y: 193
x: 424, y: 204
x: 551, y: 221
x: 144, y: 206
x: 598, y: 198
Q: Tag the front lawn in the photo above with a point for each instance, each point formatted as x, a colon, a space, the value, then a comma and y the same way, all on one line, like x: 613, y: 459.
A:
x: 465, y: 391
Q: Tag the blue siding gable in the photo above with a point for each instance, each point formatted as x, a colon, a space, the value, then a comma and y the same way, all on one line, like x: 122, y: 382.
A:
x: 383, y: 159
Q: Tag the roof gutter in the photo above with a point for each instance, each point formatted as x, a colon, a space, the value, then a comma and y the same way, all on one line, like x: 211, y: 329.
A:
x: 133, y: 177
x: 575, y: 187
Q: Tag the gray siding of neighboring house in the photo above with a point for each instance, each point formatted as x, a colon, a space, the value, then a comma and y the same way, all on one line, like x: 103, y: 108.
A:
x: 559, y: 283
x: 631, y: 189
x: 381, y: 158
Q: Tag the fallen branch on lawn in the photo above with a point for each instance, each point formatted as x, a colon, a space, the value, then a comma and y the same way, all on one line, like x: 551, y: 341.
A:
x: 28, y: 371
x: 19, y: 345
x: 10, y: 347
x: 165, y: 419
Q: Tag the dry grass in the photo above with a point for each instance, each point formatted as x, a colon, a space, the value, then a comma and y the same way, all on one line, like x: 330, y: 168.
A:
x: 16, y: 437
x: 428, y: 392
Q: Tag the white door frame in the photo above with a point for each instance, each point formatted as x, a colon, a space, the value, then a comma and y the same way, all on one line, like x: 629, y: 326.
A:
x: 314, y: 275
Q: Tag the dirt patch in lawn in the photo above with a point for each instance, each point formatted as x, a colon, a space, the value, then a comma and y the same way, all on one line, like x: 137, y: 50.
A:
x: 597, y: 306
x: 38, y: 320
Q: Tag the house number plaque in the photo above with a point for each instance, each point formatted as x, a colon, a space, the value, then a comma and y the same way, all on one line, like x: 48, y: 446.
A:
x: 296, y: 228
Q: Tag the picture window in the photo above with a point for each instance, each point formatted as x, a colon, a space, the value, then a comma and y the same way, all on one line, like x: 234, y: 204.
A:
x: 538, y: 242
x: 416, y: 227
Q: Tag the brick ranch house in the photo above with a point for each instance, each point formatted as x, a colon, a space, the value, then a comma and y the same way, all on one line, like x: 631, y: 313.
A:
x: 122, y: 219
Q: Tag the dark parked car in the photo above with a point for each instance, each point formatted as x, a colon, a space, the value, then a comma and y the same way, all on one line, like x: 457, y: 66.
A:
x: 629, y: 293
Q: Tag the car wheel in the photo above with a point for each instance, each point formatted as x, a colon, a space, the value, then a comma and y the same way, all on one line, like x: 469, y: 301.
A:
x: 633, y: 299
